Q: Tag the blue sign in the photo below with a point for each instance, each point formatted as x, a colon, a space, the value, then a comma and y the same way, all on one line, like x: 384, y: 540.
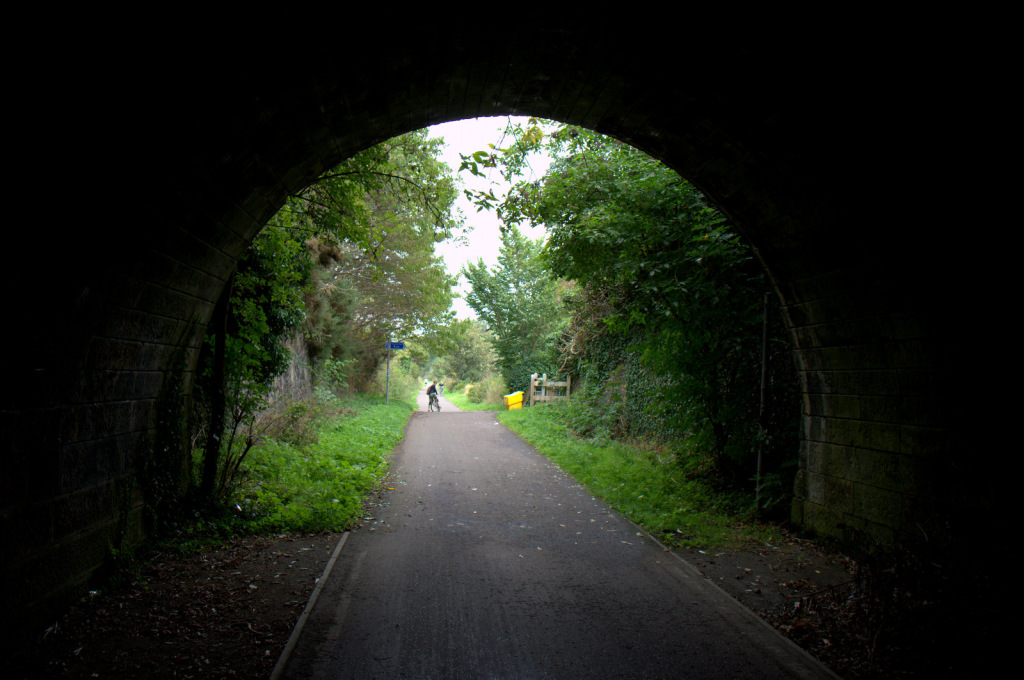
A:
x: 396, y: 345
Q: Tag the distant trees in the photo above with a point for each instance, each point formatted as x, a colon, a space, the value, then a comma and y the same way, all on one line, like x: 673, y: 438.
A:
x: 243, y: 352
x: 667, y: 303
x: 472, y: 357
x: 373, y: 223
x: 521, y: 305
x: 350, y: 263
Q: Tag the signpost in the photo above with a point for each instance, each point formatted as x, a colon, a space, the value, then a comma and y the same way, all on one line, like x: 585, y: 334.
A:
x: 387, y: 383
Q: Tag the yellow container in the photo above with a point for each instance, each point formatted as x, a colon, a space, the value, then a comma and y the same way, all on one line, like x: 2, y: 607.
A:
x: 516, y: 405
x: 514, y: 400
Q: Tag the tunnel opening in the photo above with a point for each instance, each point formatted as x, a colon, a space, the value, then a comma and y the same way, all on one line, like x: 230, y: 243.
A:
x: 727, y: 273
x: 879, y: 452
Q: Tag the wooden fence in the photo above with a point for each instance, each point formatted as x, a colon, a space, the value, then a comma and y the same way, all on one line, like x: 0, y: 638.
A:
x: 544, y: 389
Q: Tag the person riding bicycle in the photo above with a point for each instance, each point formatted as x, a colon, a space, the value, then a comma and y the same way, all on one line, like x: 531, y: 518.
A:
x: 432, y: 395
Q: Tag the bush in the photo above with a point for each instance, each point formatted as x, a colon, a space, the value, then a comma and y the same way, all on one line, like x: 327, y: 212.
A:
x: 476, y: 393
x: 490, y: 390
x: 320, y: 486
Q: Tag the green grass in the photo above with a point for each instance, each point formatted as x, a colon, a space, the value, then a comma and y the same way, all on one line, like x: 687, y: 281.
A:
x: 321, y: 486
x: 654, y: 493
x: 463, y: 402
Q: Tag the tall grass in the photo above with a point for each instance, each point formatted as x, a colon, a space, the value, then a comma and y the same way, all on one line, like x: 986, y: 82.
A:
x: 320, y: 485
x: 646, y: 485
x: 464, y: 403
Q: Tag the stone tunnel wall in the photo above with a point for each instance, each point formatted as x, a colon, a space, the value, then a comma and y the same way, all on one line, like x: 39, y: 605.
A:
x: 223, y: 148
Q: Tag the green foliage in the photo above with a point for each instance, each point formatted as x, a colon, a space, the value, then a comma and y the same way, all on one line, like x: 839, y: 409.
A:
x: 351, y: 261
x: 490, y: 390
x: 522, y: 307
x: 476, y: 393
x: 400, y: 180
x: 489, y: 394
x: 405, y: 381
x: 375, y: 219
x: 472, y: 358
x: 265, y: 305
x: 320, y: 486
x: 667, y: 305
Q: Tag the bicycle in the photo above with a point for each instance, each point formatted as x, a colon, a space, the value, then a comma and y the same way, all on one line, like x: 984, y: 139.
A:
x: 434, y: 404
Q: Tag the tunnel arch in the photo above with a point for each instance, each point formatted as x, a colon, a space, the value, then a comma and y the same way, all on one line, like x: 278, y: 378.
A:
x: 224, y: 145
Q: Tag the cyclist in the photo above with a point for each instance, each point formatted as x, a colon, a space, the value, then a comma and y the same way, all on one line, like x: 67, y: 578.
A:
x: 432, y: 396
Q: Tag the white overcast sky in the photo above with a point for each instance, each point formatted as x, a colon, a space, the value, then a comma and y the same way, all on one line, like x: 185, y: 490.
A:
x: 465, y: 137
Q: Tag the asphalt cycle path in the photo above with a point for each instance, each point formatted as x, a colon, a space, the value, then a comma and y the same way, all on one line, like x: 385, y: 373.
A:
x: 446, y: 406
x: 487, y: 561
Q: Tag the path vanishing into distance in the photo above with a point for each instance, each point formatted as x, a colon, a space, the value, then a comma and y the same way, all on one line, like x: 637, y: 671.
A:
x: 488, y: 561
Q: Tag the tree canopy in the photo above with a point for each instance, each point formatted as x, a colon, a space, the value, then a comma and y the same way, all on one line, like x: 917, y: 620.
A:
x: 665, y: 290
x: 374, y: 221
x: 350, y: 263
x: 521, y: 306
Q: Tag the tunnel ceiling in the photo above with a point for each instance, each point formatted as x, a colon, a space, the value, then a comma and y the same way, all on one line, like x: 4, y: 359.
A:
x: 154, y: 166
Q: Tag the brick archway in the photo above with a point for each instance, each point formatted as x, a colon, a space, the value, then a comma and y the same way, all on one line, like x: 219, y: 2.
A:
x: 197, y: 159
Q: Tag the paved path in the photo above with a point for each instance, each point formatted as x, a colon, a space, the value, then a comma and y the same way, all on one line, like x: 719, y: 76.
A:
x: 446, y: 406
x: 489, y: 562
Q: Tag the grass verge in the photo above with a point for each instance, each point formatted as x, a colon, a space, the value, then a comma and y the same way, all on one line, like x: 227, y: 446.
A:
x: 653, y: 492
x: 320, y: 486
x: 463, y: 402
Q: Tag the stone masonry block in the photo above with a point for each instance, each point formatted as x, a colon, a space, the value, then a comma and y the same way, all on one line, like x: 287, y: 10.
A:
x: 866, y: 382
x: 796, y: 510
x: 49, y: 571
x: 864, y: 434
x: 800, y: 484
x: 88, y: 507
x: 876, y: 505
x: 815, y: 429
x: 839, y: 495
x: 815, y: 404
x: 835, y: 461
x: 878, y: 469
x: 816, y: 488
x: 919, y: 381
x: 88, y: 463
x: 880, y: 533
x: 819, y: 382
x: 821, y: 520
x: 839, y: 406
x: 814, y: 456
x: 882, y: 409
x: 855, y: 357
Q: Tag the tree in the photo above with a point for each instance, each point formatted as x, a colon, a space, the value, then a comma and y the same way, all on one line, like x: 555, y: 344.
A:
x: 374, y: 220
x: 664, y: 287
x: 350, y: 260
x: 243, y: 352
x: 521, y: 305
x: 472, y: 358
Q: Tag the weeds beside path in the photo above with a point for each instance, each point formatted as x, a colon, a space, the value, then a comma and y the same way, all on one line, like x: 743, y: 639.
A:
x: 463, y: 402
x: 319, y: 484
